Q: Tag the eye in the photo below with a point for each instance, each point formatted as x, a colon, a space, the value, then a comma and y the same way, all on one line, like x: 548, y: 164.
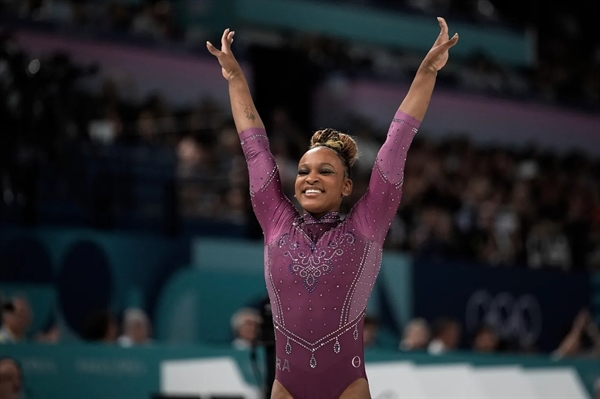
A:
x: 302, y: 172
x: 327, y: 171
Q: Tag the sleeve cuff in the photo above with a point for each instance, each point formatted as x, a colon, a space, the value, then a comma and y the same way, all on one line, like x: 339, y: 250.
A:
x: 409, y: 120
x: 255, y: 131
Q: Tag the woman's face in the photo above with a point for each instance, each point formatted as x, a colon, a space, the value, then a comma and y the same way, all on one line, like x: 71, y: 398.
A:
x: 321, y: 182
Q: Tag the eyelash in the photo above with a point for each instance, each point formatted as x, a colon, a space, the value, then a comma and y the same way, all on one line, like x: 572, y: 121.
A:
x: 323, y: 172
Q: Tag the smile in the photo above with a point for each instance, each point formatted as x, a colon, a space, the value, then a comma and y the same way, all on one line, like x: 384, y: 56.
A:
x: 312, y: 191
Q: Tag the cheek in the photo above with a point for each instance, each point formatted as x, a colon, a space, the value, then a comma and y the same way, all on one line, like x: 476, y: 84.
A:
x: 297, y: 185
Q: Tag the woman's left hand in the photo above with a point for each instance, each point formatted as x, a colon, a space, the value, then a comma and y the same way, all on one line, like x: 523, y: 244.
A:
x: 438, y: 55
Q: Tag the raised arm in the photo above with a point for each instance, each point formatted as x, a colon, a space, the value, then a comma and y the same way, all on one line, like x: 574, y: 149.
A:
x: 417, y: 99
x: 270, y: 205
x: 376, y: 209
x: 244, y: 112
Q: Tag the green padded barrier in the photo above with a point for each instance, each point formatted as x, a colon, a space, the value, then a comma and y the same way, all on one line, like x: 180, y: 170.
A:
x: 105, y: 371
x: 396, y: 29
x: 396, y: 279
x: 196, y: 305
x: 232, y: 255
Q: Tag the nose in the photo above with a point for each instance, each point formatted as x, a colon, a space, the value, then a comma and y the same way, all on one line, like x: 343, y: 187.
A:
x: 311, y: 179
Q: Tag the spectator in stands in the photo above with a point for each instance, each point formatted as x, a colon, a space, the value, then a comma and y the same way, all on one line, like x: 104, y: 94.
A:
x: 547, y: 246
x: 433, y: 237
x: 11, y: 379
x: 136, y: 328
x: 371, y: 328
x: 49, y: 334
x: 574, y: 343
x: 145, y: 23
x: 416, y: 336
x: 485, y: 340
x: 446, y: 336
x: 16, y: 320
x: 100, y: 326
x: 244, y: 324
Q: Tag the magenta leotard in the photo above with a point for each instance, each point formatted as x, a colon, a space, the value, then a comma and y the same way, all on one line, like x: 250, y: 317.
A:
x: 320, y: 272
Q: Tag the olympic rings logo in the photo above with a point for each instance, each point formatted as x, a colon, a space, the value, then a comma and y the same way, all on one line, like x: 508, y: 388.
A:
x: 511, y: 317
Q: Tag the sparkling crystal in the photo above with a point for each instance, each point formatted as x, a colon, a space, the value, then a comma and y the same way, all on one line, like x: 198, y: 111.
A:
x: 288, y: 347
x: 355, y: 333
x: 336, y: 346
x: 313, y: 361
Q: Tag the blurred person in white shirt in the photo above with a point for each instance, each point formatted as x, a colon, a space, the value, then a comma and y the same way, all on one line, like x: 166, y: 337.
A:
x: 446, y: 336
x: 416, y: 336
x: 136, y: 328
x: 245, y: 325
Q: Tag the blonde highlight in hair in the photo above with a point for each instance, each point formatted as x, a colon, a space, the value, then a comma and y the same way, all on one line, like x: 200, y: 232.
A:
x: 343, y: 145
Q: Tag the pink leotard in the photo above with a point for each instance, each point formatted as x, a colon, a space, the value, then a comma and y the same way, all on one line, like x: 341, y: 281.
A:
x: 320, y: 272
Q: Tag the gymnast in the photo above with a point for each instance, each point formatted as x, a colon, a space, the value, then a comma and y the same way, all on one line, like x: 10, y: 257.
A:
x: 319, y: 268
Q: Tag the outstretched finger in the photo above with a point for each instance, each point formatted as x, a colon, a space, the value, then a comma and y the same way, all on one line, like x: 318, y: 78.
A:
x: 443, y: 36
x: 213, y: 50
x: 229, y: 40
x: 453, y: 40
x: 225, y: 41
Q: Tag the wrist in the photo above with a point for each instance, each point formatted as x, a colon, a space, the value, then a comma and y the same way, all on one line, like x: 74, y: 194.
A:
x: 235, y: 76
x: 427, y: 69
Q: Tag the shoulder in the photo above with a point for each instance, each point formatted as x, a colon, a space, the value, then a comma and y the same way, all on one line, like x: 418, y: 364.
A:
x: 286, y: 226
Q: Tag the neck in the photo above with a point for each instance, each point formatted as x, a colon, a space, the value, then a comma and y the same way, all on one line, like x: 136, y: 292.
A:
x: 320, y: 214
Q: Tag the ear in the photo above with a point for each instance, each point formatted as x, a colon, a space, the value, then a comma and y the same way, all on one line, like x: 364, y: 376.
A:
x: 347, y: 188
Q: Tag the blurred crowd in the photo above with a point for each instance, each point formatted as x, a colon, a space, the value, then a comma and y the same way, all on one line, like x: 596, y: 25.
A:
x: 151, y: 19
x: 446, y: 335
x: 134, y: 328
x: 567, y: 46
x: 131, y: 328
x: 500, y: 206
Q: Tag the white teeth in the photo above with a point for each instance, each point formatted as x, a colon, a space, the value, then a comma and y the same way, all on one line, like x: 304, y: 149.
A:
x: 312, y: 191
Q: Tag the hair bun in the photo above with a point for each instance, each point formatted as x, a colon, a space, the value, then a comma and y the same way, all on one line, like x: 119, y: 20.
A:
x: 340, y: 142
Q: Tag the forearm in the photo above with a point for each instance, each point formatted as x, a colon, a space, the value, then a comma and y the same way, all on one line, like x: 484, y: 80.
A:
x: 568, y: 344
x: 417, y: 100
x: 244, y: 112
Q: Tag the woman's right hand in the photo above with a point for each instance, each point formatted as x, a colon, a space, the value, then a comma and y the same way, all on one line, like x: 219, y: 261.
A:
x: 229, y: 65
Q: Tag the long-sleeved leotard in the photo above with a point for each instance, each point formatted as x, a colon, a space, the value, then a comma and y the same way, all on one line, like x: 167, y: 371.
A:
x: 320, y: 272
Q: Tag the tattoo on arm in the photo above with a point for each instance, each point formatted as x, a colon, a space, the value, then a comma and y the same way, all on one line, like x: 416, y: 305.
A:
x: 249, y: 113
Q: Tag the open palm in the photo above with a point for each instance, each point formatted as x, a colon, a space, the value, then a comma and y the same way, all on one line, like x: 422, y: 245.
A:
x: 229, y: 65
x: 438, y: 55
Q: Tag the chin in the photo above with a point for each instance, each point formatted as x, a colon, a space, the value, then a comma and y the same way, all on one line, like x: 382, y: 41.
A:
x: 311, y: 208
x: 315, y: 210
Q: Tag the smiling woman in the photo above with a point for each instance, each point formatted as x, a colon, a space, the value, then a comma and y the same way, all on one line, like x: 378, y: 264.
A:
x: 320, y: 269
